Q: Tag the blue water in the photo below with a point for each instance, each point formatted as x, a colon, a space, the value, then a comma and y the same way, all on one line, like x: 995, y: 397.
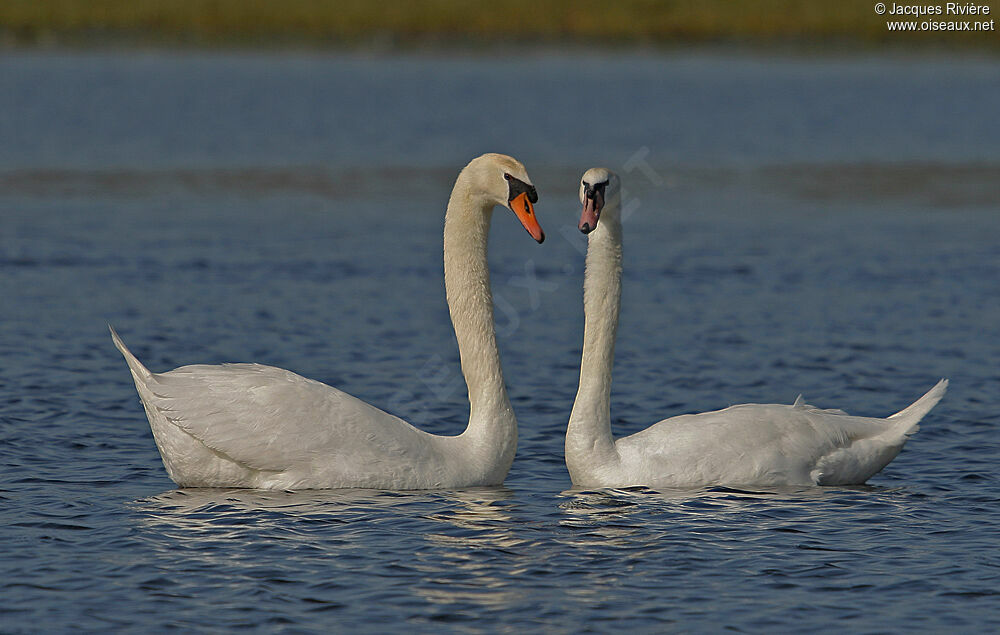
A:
x: 820, y: 226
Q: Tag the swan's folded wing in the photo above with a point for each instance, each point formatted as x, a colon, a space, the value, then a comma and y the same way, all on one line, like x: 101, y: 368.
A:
x: 267, y: 418
x: 753, y: 443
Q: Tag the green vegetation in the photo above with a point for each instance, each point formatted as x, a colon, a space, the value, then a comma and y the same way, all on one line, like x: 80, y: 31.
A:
x: 402, y: 23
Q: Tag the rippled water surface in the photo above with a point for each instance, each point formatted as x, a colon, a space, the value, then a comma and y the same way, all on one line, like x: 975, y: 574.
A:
x: 826, y: 227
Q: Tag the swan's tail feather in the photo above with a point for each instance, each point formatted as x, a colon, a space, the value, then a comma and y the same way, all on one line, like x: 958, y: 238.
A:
x: 140, y: 371
x: 912, y: 414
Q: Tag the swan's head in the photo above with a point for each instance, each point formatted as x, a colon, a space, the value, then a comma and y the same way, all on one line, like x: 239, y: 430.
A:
x: 502, y: 180
x: 600, y: 191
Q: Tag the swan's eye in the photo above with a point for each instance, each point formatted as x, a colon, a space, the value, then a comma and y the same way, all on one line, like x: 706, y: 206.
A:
x: 507, y: 176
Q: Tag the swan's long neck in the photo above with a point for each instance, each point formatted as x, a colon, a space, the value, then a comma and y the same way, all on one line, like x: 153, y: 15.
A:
x: 467, y: 284
x: 588, y: 437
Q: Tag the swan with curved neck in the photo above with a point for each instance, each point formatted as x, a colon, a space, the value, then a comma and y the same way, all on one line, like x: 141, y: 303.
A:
x: 749, y: 444
x: 247, y: 425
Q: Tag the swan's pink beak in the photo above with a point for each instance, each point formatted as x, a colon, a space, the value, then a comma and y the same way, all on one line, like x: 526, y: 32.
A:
x: 525, y: 213
x: 591, y: 212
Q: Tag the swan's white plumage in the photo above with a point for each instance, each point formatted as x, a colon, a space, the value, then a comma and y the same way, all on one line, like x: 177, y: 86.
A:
x: 750, y: 444
x: 248, y: 425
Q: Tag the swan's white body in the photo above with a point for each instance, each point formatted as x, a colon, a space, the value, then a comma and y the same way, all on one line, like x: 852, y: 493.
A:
x: 751, y: 444
x: 247, y: 425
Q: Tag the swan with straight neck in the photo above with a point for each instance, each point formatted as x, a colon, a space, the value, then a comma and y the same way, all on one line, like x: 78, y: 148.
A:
x: 749, y: 444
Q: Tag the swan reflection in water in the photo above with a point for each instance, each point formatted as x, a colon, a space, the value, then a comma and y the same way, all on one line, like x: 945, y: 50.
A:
x: 604, y: 508
x: 454, y: 554
x: 452, y: 548
x: 611, y: 535
x: 477, y: 551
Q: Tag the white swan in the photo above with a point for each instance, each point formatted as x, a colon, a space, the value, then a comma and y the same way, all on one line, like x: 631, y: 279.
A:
x: 751, y: 444
x: 247, y: 425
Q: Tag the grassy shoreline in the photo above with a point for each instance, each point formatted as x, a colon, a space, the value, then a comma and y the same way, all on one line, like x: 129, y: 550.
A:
x: 443, y: 23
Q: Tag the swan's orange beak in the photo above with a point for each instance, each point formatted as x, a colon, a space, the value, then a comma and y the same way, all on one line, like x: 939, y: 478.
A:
x: 592, y: 207
x: 525, y: 213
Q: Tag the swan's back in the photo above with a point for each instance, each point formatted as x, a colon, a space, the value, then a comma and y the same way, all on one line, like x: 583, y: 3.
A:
x: 765, y: 444
x: 251, y: 425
